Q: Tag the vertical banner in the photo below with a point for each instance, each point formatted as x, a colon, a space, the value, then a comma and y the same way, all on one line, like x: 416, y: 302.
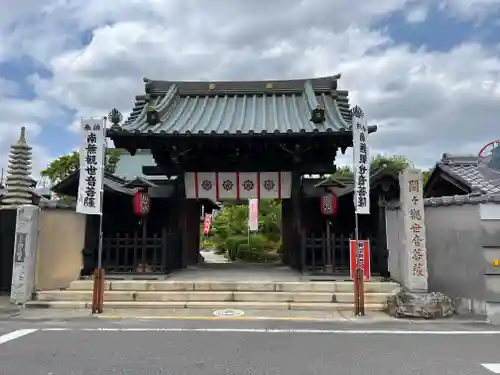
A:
x: 91, y: 166
x: 361, y: 162
x: 207, y: 225
x: 253, y: 214
x: 360, y: 258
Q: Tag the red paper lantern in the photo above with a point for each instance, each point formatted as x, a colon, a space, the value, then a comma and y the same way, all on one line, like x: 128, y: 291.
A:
x: 142, y: 203
x: 329, y: 204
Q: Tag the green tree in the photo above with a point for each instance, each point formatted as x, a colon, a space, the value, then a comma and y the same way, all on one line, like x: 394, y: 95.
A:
x: 63, y: 166
x: 230, y: 232
x: 393, y: 164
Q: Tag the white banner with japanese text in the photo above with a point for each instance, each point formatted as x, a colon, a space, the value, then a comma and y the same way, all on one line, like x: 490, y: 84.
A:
x: 412, y: 204
x: 361, y: 162
x: 92, y: 148
x: 253, y: 214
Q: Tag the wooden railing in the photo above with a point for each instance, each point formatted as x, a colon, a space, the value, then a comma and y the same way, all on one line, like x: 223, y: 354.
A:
x: 133, y: 253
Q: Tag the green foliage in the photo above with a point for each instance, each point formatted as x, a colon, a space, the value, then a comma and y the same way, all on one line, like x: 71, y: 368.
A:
x: 230, y: 232
x: 232, y: 244
x: 394, y: 164
x: 208, y: 243
x: 343, y: 172
x: 251, y: 253
x: 63, y: 166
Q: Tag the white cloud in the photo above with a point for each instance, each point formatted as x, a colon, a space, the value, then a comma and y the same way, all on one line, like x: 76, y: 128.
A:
x: 425, y: 103
x: 468, y: 9
x: 416, y: 15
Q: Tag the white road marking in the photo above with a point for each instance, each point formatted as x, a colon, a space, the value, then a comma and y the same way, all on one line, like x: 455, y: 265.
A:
x: 15, y: 335
x: 493, y: 367
x: 229, y: 312
x: 264, y: 330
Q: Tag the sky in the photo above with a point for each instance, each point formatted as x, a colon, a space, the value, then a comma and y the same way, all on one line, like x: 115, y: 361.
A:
x: 427, y: 72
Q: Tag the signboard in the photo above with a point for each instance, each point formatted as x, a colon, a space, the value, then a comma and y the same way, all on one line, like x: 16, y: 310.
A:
x: 207, y: 225
x: 91, y: 166
x: 253, y: 214
x: 360, y: 258
x: 23, y: 265
x: 412, y: 204
x: 361, y: 162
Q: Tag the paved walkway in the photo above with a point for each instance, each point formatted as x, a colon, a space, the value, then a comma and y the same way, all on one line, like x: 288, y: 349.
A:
x: 236, y: 271
x: 211, y: 257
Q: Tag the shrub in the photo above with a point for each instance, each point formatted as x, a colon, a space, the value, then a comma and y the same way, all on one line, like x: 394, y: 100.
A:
x: 232, y: 244
x: 230, y: 230
x: 250, y: 253
x: 259, y: 241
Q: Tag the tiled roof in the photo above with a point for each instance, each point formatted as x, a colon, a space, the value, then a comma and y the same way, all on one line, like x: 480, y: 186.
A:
x: 343, y: 185
x: 462, y: 199
x: 484, y: 183
x: 241, y: 107
x: 116, y: 184
x: 475, y: 198
x: 110, y: 181
x: 465, y: 168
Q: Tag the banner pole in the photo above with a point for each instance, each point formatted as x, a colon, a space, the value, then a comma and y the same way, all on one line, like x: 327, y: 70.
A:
x: 359, y: 305
x: 99, y: 273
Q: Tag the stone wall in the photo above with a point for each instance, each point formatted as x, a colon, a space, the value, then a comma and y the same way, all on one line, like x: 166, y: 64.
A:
x: 489, y: 254
x: 60, y: 245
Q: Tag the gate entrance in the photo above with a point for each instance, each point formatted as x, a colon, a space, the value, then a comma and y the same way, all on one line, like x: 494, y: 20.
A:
x: 235, y: 238
x: 236, y: 140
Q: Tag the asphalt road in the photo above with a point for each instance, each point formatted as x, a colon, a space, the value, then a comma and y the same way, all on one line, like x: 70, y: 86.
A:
x: 94, y: 346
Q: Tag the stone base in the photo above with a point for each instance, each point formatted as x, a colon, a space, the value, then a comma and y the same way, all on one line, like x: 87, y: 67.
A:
x: 420, y: 305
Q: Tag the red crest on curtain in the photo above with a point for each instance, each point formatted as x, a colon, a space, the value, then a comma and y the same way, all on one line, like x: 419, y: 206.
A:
x: 142, y: 203
x: 329, y: 204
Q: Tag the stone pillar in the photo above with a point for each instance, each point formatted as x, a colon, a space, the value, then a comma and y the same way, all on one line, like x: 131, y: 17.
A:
x: 25, y: 246
x: 414, y: 262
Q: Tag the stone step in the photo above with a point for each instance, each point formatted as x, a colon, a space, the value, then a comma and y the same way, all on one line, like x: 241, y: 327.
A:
x: 210, y: 296
x: 135, y: 305
x: 153, y: 285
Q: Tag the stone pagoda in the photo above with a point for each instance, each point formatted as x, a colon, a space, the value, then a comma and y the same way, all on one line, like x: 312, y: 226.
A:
x: 18, y: 185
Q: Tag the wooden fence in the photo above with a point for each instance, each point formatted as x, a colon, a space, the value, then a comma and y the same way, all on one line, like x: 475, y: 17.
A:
x: 133, y: 253
x: 324, y: 255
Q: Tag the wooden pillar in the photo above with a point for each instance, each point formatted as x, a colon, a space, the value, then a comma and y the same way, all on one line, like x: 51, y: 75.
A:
x: 296, y: 199
x: 91, y: 244
x: 174, y: 233
x: 287, y: 232
x: 190, y: 231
